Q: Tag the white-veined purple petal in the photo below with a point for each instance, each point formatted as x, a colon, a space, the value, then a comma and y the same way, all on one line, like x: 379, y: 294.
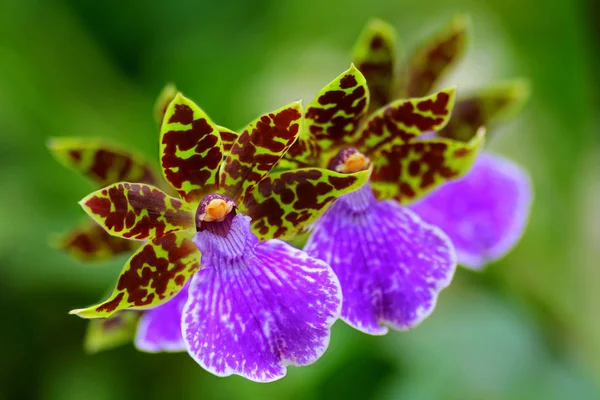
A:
x: 484, y: 213
x: 254, y: 308
x: 391, y: 265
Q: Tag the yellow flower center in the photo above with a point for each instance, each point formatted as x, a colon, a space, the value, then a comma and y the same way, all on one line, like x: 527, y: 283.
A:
x: 354, y: 163
x: 216, y: 210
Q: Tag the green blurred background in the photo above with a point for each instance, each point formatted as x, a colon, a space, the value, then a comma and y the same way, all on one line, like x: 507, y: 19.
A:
x: 526, y: 328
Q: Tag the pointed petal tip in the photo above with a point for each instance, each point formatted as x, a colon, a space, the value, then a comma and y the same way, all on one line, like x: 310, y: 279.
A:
x: 179, y: 97
x: 83, y: 204
x: 378, y: 24
x: 451, y: 91
x: 81, y: 312
x: 54, y: 241
x: 170, y: 86
x: 296, y: 105
x: 479, y: 137
x: 53, y: 142
x: 376, y: 27
x: 56, y: 146
x: 87, y: 313
x: 461, y: 22
x: 519, y: 88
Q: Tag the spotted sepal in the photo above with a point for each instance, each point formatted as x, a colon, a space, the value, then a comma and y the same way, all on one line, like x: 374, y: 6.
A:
x: 337, y: 110
x: 162, y: 102
x: 137, y: 211
x: 102, y: 162
x: 152, y: 276
x: 409, y: 171
x: 284, y: 203
x: 191, y: 149
x: 90, y: 242
x: 435, y: 57
x: 258, y: 148
x: 403, y: 120
x: 375, y: 56
x: 228, y: 138
x: 114, y: 331
x: 486, y: 107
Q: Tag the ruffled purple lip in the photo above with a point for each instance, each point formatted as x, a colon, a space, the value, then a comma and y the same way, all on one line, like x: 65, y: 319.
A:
x: 255, y: 308
x: 391, y: 264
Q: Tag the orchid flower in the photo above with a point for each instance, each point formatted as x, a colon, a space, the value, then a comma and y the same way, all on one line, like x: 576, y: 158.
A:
x: 104, y: 163
x: 486, y: 212
x: 246, y: 303
x: 391, y: 264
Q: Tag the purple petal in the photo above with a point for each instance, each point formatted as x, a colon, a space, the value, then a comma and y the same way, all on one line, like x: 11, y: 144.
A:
x: 255, y: 308
x: 485, y: 213
x: 391, y: 265
x: 160, y: 328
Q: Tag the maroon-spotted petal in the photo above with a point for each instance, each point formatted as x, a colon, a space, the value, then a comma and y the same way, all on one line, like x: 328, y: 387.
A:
x: 90, y: 242
x: 435, y: 57
x: 258, y: 148
x: 103, y: 162
x: 375, y: 56
x: 136, y: 211
x: 191, y: 149
x: 485, y: 107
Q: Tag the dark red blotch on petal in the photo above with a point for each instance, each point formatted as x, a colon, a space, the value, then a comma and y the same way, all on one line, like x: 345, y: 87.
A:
x: 326, y: 123
x: 200, y: 137
x: 147, y: 270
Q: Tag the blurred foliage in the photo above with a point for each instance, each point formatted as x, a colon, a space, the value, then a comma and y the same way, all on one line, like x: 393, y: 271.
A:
x: 526, y: 328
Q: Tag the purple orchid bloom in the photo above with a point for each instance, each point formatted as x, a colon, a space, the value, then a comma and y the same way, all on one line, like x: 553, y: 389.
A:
x: 253, y: 304
x: 484, y: 213
x: 391, y: 264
